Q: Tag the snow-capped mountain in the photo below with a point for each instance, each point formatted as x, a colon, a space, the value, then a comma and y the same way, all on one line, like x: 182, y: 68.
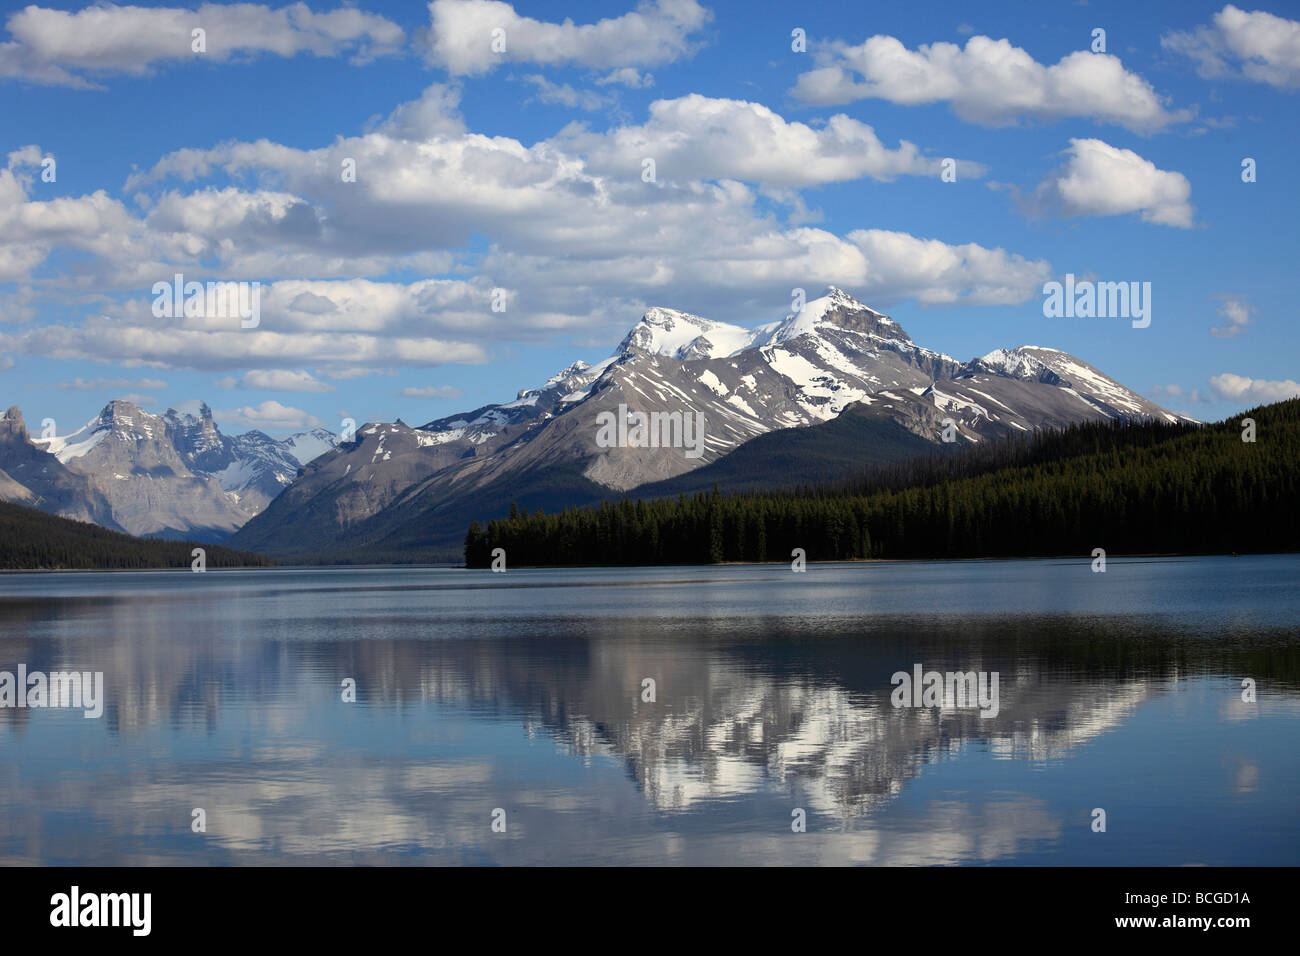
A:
x: 172, y: 475
x: 253, y: 467
x: 800, y: 371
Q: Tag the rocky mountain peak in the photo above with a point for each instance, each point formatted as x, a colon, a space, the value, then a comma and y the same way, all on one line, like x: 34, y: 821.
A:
x: 837, y: 308
x: 12, y: 425
x: 685, y: 336
x: 667, y: 332
x: 1013, y: 363
x: 169, y: 474
x: 194, y: 432
x: 129, y: 420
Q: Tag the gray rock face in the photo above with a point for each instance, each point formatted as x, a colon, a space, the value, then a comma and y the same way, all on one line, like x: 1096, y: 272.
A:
x: 33, y: 477
x: 253, y: 467
x: 173, y: 475
x: 129, y: 458
x: 800, y: 371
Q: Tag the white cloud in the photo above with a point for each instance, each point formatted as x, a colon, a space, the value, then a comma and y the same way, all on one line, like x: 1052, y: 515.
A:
x: 1102, y: 180
x: 578, y: 244
x: 110, y: 384
x: 19, y: 305
x: 1235, y: 313
x: 627, y: 76
x: 29, y: 231
x: 657, y: 31
x: 435, y: 113
x: 347, y: 374
x: 700, y: 137
x: 1178, y: 393
x: 989, y: 82
x: 59, y: 47
x: 565, y: 95
x: 896, y: 265
x: 269, y: 416
x: 1256, y: 46
x: 136, y: 344
x: 571, y: 236
x: 277, y: 380
x: 1239, y: 388
x: 1176, y: 398
x: 431, y: 391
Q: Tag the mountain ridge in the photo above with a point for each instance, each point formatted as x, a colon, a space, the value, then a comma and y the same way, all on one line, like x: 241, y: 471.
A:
x: 173, y: 475
x: 803, y: 370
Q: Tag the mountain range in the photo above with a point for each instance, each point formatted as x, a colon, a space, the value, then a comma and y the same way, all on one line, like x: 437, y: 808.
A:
x: 820, y: 394
x: 844, y: 384
x: 169, y: 476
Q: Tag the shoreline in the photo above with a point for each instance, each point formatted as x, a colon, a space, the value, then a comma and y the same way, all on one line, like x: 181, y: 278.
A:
x: 720, y: 564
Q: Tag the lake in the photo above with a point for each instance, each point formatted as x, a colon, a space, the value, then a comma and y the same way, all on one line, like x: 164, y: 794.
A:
x: 507, y: 718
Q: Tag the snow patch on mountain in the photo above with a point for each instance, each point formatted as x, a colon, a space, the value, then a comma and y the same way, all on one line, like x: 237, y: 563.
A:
x: 79, y: 443
x: 681, y: 335
x: 1016, y: 363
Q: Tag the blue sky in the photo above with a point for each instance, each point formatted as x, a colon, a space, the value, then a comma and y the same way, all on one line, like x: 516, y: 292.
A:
x: 522, y: 169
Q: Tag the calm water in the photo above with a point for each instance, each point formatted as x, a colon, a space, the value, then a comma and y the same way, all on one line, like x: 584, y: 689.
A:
x: 523, y: 691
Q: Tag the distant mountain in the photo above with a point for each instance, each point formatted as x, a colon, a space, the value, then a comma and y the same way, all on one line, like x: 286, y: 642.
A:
x: 403, y: 489
x: 252, y: 467
x: 173, y: 475
x: 34, y: 540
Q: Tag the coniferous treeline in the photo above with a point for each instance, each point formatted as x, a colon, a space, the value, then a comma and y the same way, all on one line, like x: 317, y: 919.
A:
x: 1128, y: 487
x: 33, y: 540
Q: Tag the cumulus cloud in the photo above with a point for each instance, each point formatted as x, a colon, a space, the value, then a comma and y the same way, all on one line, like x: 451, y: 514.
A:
x: 989, y: 82
x: 576, y: 242
x: 435, y: 113
x: 277, y: 380
x: 431, y: 391
x: 570, y: 231
x: 1103, y: 180
x: 701, y: 137
x: 1254, y: 46
x: 30, y: 230
x: 1239, y: 388
x: 657, y: 31
x: 1234, y: 317
x: 896, y: 264
x: 63, y: 48
x: 268, y: 416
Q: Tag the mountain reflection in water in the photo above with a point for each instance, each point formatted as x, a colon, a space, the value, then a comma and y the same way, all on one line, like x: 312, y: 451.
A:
x: 523, y: 692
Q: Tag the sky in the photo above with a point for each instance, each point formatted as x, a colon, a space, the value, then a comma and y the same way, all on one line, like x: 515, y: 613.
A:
x: 444, y: 203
